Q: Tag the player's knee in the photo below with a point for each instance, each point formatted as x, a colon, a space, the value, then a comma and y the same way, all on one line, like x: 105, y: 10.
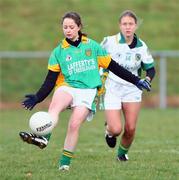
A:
x: 115, y: 130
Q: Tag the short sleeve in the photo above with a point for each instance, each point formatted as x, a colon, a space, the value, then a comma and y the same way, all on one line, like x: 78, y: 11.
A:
x: 147, y: 60
x: 104, y: 43
x: 53, y: 63
x: 102, y: 56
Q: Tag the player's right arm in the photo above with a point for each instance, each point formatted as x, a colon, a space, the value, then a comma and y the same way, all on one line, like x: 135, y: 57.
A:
x: 47, y: 86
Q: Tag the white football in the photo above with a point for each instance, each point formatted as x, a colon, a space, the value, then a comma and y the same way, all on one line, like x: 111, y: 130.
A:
x: 41, y: 123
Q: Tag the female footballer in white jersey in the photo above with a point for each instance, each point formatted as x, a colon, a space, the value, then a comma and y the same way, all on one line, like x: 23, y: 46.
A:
x: 74, y: 70
x: 121, y: 96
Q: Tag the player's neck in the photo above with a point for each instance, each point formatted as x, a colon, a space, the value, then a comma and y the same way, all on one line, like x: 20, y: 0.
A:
x: 129, y: 40
x: 74, y: 43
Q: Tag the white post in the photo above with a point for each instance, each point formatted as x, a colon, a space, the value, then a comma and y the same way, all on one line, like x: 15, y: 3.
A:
x: 163, y: 83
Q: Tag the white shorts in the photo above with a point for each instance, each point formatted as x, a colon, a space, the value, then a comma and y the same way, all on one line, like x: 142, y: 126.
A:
x: 117, y: 93
x: 81, y: 97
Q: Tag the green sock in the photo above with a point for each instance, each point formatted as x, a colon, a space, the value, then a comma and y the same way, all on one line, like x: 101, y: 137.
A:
x: 48, y: 136
x: 66, y: 158
x: 122, y: 150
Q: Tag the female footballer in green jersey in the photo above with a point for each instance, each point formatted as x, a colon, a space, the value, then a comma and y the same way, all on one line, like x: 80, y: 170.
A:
x: 74, y: 71
x: 121, y: 96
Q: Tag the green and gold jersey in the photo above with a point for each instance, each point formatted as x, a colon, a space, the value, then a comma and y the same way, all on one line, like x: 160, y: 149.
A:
x: 79, y: 66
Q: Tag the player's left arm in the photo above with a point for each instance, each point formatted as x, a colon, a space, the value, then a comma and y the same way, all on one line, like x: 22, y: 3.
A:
x: 105, y: 61
x: 148, y: 64
x: 150, y: 73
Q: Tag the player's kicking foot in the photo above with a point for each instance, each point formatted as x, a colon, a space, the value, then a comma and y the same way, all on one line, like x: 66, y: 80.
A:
x: 124, y: 157
x: 64, y: 168
x: 110, y: 140
x: 31, y: 138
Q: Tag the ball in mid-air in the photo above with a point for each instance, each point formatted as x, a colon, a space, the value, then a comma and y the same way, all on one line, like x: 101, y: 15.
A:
x: 41, y: 123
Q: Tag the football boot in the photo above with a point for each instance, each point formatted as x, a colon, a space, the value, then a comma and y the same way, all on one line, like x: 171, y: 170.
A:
x: 31, y: 138
x: 123, y: 157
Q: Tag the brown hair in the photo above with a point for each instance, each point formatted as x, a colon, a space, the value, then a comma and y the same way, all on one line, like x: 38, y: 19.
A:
x: 130, y: 14
x: 77, y: 19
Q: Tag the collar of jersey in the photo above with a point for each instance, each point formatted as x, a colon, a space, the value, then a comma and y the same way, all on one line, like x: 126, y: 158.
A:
x: 65, y: 44
x: 122, y: 40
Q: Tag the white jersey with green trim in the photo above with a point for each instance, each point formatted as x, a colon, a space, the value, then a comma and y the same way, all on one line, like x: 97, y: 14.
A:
x: 134, y: 60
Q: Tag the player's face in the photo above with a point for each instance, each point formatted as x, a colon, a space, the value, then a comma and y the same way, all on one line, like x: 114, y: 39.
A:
x: 128, y: 26
x: 70, y: 29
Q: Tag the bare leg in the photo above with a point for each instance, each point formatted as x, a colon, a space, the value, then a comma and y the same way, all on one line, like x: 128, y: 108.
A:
x: 131, y: 112
x: 113, y: 128
x: 113, y: 119
x: 60, y: 101
x: 78, y: 116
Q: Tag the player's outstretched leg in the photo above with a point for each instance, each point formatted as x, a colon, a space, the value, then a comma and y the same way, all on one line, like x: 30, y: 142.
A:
x: 31, y: 138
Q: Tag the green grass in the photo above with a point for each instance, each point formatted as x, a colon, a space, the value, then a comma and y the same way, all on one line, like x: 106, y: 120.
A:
x: 153, y: 155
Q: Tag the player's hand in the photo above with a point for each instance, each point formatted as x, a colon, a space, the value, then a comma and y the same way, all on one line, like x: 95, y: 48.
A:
x: 102, y: 89
x: 144, y: 84
x: 30, y: 101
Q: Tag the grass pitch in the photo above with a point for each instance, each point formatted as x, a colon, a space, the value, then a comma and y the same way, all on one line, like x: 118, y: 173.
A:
x: 153, y: 155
